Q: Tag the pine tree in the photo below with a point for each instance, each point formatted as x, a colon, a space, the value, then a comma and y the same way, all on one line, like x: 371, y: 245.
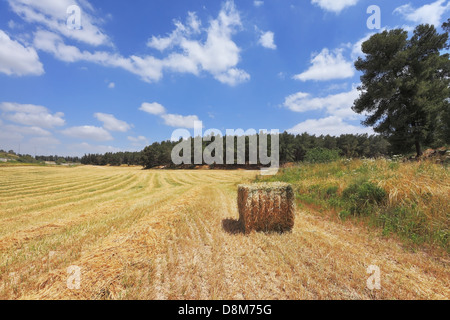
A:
x: 405, y: 86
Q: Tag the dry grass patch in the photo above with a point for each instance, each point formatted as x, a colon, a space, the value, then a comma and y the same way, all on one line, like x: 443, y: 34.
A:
x: 154, y: 239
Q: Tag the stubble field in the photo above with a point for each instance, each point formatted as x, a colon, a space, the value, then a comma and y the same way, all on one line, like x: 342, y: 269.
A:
x: 136, y: 234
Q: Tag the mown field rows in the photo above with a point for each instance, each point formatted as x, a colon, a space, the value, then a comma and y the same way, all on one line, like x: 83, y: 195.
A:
x: 138, y: 234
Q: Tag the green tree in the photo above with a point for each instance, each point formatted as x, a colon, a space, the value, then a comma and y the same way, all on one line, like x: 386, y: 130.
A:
x: 446, y: 27
x: 405, y: 86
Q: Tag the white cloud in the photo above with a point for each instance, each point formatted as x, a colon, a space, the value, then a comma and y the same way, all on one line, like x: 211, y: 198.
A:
x: 15, y: 59
x: 258, y: 3
x: 12, y: 24
x: 80, y: 149
x: 179, y: 121
x: 27, y: 131
x: 333, y: 126
x: 172, y: 120
x: 53, y: 15
x: 43, y: 142
x: 328, y: 66
x: 334, y: 5
x: 233, y: 77
x: 139, y: 141
x: 88, y: 133
x: 29, y: 140
x: 336, y: 104
x: 153, y: 108
x: 267, y: 40
x: 111, y: 85
x: 218, y: 55
x: 429, y: 13
x: 178, y: 35
x: 111, y: 123
x: 24, y: 108
x: 338, y: 110
x: 357, y: 47
x: 31, y: 115
x: 10, y: 139
x: 148, y: 68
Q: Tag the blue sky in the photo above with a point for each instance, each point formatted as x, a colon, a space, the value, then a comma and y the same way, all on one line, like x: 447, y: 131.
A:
x: 138, y: 70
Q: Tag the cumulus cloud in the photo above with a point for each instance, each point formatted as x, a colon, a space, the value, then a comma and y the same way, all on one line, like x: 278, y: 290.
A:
x: 327, y: 66
x: 335, y: 104
x: 334, y: 5
x: 179, y: 121
x: 138, y: 139
x: 27, y: 131
x: 153, y: 108
x: 111, y: 123
x: 172, y: 120
x: 43, y: 142
x: 18, y: 60
x: 430, y: 13
x: 233, y: 77
x: 31, y: 115
x: 148, y: 68
x: 177, y: 36
x: 338, y: 110
x: 218, y: 55
x: 333, y: 126
x: 267, y: 40
x: 80, y: 149
x: 88, y: 133
x: 53, y: 15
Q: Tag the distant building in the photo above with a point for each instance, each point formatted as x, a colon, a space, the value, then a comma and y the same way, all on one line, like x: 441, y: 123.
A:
x: 3, y: 160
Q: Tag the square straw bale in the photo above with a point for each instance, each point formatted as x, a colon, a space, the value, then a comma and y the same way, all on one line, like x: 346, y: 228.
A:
x: 266, y: 207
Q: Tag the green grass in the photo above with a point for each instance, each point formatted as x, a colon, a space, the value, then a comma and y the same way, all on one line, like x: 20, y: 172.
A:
x: 409, y: 200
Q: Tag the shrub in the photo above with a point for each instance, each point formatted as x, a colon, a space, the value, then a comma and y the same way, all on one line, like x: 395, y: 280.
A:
x: 331, y: 191
x: 363, y: 195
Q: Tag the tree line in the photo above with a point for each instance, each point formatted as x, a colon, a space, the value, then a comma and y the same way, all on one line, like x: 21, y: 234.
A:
x: 58, y: 159
x: 293, y: 148
x: 113, y: 159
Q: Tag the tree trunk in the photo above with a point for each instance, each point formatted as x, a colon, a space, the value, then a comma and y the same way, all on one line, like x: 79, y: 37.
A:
x: 418, y: 148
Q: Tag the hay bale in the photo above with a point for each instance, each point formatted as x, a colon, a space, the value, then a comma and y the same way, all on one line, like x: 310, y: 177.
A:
x: 266, y: 207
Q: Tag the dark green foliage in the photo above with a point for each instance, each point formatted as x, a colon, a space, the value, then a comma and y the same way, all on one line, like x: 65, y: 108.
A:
x: 405, y: 87
x: 446, y: 27
x: 26, y: 159
x: 293, y: 148
x: 363, y: 196
x: 321, y: 155
x: 409, y: 223
x: 113, y: 159
x: 58, y: 159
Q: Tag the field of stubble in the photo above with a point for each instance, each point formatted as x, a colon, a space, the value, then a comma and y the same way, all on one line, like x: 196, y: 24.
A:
x: 138, y: 234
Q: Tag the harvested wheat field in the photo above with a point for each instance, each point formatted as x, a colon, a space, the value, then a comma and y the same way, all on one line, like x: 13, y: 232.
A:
x: 138, y: 234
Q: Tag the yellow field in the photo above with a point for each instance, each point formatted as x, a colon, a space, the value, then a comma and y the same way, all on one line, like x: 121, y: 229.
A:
x: 169, y: 235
